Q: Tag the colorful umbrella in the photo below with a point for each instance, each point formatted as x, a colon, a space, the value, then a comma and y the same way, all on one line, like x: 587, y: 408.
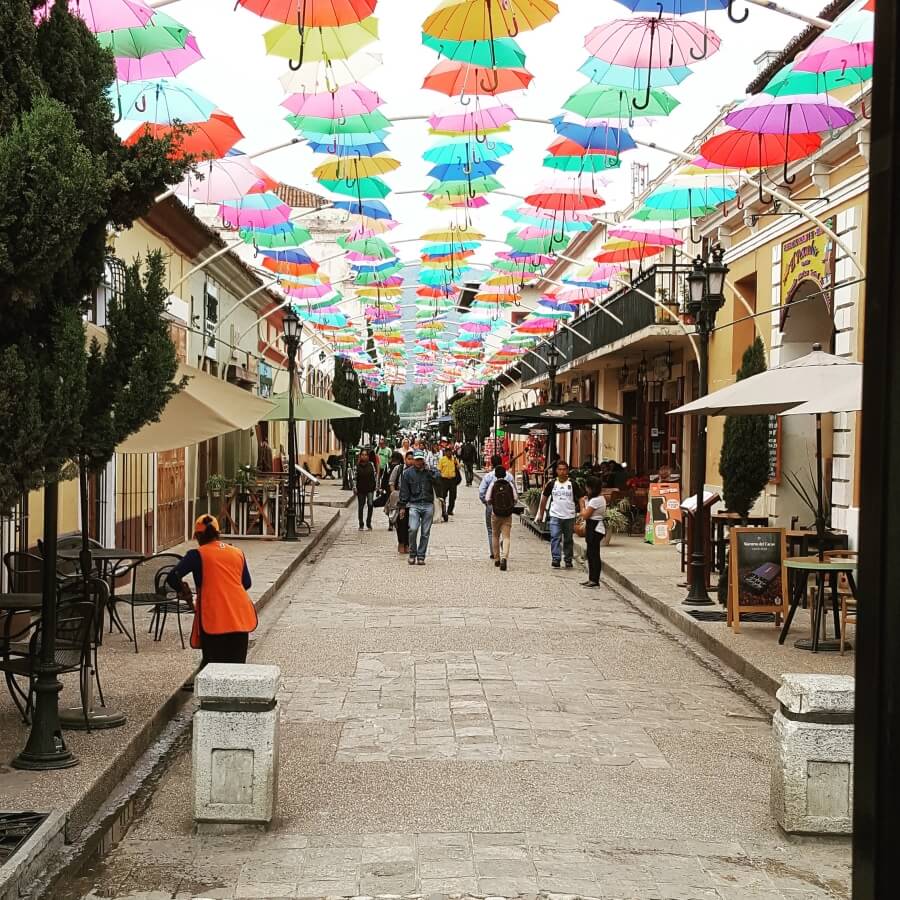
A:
x: 162, y: 32
x: 104, y: 15
x: 361, y: 188
x: 827, y: 54
x: 319, y: 44
x: 678, y: 198
x: 466, y: 151
x: 626, y: 252
x: 485, y: 20
x: 312, y: 13
x: 601, y: 72
x: 217, y: 180
x: 164, y: 64
x: 255, y: 211
x: 162, y: 101
x: 460, y: 79
x: 589, y: 162
x: 286, y: 234
x: 480, y: 122
x: 749, y: 150
x: 355, y: 169
x: 789, y: 114
x: 661, y: 237
x: 501, y: 53
x: 349, y: 100
x: 788, y: 81
x: 562, y: 200
x: 600, y: 137
x: 365, y: 124
x: 598, y: 102
x: 330, y: 74
x: 202, y: 139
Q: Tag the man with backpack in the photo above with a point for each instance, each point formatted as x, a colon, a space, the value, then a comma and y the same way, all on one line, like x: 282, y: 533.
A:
x: 501, y: 497
x: 486, y: 483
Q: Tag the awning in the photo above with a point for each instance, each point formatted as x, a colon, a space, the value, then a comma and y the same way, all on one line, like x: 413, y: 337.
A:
x: 308, y: 408
x: 206, y: 408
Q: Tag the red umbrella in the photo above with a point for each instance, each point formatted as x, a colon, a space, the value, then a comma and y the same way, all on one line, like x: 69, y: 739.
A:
x: 312, y: 13
x: 203, y: 139
x: 565, y: 201
x: 460, y: 79
x: 628, y: 252
x: 748, y: 150
x: 568, y: 147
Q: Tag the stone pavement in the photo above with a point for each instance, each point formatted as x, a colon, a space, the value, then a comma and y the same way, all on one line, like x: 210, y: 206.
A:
x: 145, y: 686
x: 457, y: 730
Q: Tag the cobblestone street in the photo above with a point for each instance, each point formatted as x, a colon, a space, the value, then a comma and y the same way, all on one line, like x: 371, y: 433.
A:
x: 457, y: 730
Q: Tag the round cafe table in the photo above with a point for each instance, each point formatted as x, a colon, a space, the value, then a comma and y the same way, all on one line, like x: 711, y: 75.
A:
x: 802, y: 568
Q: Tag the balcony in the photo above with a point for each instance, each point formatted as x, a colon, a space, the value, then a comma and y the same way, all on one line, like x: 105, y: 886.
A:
x: 630, y: 304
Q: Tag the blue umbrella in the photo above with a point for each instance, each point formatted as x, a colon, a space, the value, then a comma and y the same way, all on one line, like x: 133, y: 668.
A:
x: 456, y: 172
x: 682, y: 198
x: 288, y: 256
x: 673, y: 7
x: 444, y: 249
x: 161, y: 101
x: 601, y: 72
x: 371, y: 209
x: 457, y: 152
x: 342, y: 150
x: 594, y: 137
x: 545, y: 221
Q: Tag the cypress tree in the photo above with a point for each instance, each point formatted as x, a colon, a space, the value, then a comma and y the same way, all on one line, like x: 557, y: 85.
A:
x: 487, y: 410
x: 345, y: 388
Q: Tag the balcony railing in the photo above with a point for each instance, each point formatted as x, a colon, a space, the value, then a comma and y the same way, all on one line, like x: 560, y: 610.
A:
x: 637, y: 312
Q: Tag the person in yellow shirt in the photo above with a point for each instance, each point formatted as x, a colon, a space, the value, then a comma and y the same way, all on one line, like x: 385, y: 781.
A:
x: 448, y: 469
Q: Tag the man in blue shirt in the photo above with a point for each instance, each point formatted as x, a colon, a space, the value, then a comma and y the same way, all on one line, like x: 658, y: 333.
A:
x: 486, y: 482
x: 417, y: 498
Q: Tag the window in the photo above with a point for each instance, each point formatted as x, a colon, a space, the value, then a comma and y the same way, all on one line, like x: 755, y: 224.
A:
x: 210, y: 315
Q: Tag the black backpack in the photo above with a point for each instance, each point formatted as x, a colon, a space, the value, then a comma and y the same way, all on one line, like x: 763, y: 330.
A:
x: 503, y: 498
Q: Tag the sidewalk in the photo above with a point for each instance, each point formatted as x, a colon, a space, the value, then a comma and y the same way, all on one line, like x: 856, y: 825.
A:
x: 145, y: 686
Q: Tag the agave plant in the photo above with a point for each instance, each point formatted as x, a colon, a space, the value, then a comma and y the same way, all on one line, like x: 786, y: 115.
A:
x: 808, y: 492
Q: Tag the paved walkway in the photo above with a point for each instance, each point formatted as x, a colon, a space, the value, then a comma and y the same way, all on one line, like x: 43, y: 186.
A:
x: 453, y: 729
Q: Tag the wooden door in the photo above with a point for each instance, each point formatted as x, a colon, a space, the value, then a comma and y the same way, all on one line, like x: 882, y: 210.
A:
x: 170, y: 468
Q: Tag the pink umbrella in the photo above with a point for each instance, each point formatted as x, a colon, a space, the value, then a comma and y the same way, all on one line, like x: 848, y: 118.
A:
x: 475, y: 327
x: 350, y: 100
x: 481, y: 121
x: 165, y: 64
x: 790, y: 114
x: 306, y: 291
x: 663, y: 237
x: 576, y: 295
x: 532, y: 232
x: 104, y: 15
x: 218, y: 180
x: 649, y: 42
x: 243, y: 214
x: 826, y: 54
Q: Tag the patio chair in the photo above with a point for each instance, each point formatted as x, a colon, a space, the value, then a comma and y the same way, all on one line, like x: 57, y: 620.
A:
x: 149, y: 590
x: 24, y: 571
x: 845, y: 595
x: 75, y: 640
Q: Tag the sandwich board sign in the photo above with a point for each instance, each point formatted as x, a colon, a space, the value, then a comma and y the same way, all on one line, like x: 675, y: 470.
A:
x: 757, y: 581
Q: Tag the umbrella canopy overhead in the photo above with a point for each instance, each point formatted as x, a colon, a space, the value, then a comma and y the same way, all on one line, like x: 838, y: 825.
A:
x: 817, y: 383
x: 565, y: 414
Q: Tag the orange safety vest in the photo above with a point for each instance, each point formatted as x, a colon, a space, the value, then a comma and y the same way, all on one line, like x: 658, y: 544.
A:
x: 223, y: 605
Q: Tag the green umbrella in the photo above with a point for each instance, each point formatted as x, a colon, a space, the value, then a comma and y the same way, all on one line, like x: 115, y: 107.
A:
x: 457, y: 188
x: 375, y: 247
x: 162, y: 32
x: 595, y: 101
x: 364, y: 278
x: 507, y: 54
x: 590, y: 162
x: 308, y: 408
x: 291, y: 236
x: 787, y: 81
x: 365, y: 123
x: 648, y: 214
x: 363, y: 188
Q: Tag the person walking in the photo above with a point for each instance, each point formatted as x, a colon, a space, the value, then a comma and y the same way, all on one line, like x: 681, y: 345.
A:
x: 417, y: 498
x: 468, y: 456
x: 366, y: 483
x: 448, y: 468
x: 593, y: 509
x: 486, y: 482
x: 502, y: 497
x: 383, y: 455
x: 399, y: 514
x: 562, y: 496
x: 224, y: 614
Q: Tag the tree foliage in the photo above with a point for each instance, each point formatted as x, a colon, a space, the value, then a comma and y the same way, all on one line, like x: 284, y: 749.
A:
x: 66, y: 179
x: 345, y: 388
x: 466, y: 413
x: 416, y: 398
x: 744, y: 461
x: 487, y: 410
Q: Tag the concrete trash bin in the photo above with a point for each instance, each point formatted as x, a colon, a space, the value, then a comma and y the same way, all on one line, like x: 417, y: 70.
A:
x: 235, y: 752
x: 812, y: 775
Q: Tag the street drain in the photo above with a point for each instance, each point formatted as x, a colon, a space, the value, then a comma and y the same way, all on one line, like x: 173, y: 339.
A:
x: 15, y: 829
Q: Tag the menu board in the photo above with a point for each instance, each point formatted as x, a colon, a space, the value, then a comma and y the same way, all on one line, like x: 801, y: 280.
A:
x: 663, y: 522
x: 756, y: 576
x: 775, y: 449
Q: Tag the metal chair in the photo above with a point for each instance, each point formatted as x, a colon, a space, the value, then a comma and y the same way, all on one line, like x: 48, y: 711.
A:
x: 845, y: 595
x: 149, y: 590
x: 24, y: 571
x: 75, y: 641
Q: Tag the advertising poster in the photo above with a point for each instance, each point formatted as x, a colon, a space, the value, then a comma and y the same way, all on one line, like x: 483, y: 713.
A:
x: 756, y: 575
x: 663, y: 522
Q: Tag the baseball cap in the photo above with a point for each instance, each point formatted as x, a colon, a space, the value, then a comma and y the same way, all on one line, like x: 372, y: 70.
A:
x: 203, y: 521
x: 418, y: 454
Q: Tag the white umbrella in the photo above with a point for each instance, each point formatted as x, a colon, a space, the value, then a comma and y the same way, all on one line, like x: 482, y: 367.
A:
x: 815, y: 384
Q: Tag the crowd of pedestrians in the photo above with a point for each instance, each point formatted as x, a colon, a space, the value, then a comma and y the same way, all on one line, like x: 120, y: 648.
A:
x: 420, y: 480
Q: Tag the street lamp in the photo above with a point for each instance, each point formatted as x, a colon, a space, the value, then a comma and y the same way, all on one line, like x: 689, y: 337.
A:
x: 292, y: 329
x: 705, y: 298
x: 552, y: 368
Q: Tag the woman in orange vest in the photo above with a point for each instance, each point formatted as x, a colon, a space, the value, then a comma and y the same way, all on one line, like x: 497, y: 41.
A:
x: 224, y: 614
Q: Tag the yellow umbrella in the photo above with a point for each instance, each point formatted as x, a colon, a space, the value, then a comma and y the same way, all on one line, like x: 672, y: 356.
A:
x: 321, y: 43
x: 503, y: 279
x: 453, y: 234
x: 373, y: 293
x: 485, y: 20
x: 357, y: 167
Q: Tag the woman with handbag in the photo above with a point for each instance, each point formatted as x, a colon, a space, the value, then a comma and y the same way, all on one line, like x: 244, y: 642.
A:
x: 593, y: 510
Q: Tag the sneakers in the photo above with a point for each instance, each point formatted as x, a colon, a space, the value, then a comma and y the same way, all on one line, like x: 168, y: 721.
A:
x: 361, y: 528
x: 502, y: 565
x: 497, y: 563
x: 412, y: 560
x: 420, y: 562
x: 570, y: 564
x: 556, y: 564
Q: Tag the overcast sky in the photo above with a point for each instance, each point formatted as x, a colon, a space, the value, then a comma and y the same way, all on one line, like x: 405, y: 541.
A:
x: 238, y: 75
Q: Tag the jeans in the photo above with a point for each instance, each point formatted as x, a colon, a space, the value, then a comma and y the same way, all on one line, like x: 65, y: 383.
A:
x: 368, y: 501
x: 470, y: 473
x: 501, y: 527
x: 488, y: 515
x: 593, y: 538
x: 420, y: 518
x: 561, y: 543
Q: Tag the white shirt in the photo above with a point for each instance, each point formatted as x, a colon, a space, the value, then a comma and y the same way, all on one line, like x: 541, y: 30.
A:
x: 562, y: 500
x: 598, y: 503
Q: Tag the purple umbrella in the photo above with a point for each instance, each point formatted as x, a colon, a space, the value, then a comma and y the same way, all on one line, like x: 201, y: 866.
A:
x: 165, y: 64
x: 790, y: 114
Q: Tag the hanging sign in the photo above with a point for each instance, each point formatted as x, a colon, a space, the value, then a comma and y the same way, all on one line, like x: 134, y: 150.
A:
x: 774, y: 449
x: 809, y: 256
x: 756, y: 576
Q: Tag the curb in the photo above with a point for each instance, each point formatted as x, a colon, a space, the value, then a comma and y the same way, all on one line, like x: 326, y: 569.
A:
x: 109, y: 805
x: 32, y: 857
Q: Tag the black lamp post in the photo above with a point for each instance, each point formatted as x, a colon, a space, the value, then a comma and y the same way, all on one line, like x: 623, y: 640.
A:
x: 552, y: 368
x: 292, y: 329
x: 706, y: 285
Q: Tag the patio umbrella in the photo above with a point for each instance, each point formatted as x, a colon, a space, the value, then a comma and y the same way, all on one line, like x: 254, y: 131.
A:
x: 816, y: 384
x: 565, y: 414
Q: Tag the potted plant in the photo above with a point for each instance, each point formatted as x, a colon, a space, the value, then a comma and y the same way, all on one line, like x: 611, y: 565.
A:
x: 617, y: 519
x: 532, y: 499
x: 216, y: 485
x: 243, y: 478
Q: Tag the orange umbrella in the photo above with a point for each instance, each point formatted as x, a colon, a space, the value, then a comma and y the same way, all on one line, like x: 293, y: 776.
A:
x: 289, y: 268
x: 460, y: 79
x: 626, y: 251
x: 203, y: 139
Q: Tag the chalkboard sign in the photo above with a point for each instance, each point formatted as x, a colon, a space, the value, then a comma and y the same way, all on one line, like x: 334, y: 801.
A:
x: 775, y: 449
x: 757, y: 582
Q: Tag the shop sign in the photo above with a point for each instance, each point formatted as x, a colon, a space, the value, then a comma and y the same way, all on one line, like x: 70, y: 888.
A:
x: 807, y: 256
x: 774, y: 449
x: 265, y: 380
x: 663, y: 522
x: 756, y: 578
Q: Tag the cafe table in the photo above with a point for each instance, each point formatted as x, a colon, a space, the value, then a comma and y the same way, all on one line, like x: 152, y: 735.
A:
x: 801, y: 568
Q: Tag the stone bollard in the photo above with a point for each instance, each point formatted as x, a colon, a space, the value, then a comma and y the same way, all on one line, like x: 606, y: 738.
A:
x: 236, y: 745
x: 812, y: 776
